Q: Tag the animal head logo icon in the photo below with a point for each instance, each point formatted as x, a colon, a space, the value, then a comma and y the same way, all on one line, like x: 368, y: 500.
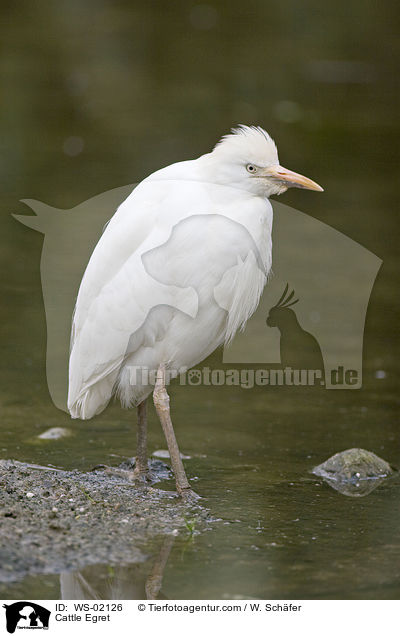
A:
x: 26, y: 615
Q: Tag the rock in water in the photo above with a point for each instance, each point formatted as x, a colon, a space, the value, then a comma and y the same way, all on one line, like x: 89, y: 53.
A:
x: 55, y: 433
x: 355, y: 463
x: 354, y: 472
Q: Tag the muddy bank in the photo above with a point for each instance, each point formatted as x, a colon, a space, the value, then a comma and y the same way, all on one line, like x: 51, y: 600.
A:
x: 54, y: 520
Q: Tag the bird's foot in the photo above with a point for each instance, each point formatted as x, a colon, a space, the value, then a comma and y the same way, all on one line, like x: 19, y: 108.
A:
x: 112, y: 471
x: 188, y: 495
x: 141, y: 475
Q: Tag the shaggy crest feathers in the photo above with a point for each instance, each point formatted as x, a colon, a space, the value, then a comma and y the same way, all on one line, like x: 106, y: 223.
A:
x: 252, y: 143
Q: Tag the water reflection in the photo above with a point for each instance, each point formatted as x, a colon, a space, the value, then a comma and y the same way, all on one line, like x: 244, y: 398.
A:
x: 356, y: 487
x: 134, y: 581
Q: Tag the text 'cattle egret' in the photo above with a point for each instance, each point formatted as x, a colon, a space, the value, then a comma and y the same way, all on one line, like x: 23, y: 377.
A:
x: 178, y: 270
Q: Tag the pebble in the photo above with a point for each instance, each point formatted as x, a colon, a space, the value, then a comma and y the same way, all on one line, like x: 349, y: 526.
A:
x: 55, y: 433
x: 164, y: 454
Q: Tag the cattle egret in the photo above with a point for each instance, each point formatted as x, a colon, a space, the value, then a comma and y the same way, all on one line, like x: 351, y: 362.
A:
x: 178, y: 270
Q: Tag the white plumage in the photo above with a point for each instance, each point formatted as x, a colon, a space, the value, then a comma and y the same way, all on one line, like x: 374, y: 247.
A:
x: 179, y: 268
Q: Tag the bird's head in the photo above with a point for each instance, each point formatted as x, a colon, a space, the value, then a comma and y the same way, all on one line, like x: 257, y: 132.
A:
x: 248, y: 158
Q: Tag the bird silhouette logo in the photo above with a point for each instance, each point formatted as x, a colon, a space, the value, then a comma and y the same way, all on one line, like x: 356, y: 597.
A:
x: 299, y: 349
x: 26, y: 615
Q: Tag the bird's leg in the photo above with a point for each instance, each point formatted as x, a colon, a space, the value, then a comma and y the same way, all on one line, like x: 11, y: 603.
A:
x: 154, y: 580
x: 141, y: 471
x: 141, y: 465
x: 161, y: 402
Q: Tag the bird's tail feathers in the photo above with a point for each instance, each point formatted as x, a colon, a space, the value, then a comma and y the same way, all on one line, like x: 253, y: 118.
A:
x: 91, y: 402
x: 87, y: 399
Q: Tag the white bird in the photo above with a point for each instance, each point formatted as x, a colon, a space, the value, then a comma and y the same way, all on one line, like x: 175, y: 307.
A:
x: 178, y: 270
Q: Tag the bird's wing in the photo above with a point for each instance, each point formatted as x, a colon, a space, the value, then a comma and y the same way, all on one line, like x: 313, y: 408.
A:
x: 123, y: 234
x: 117, y: 292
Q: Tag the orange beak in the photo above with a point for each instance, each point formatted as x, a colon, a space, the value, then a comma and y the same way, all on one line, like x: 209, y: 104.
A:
x: 292, y: 179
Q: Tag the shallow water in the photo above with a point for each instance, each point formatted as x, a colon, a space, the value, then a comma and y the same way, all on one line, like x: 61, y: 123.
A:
x: 282, y: 533
x: 136, y: 102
